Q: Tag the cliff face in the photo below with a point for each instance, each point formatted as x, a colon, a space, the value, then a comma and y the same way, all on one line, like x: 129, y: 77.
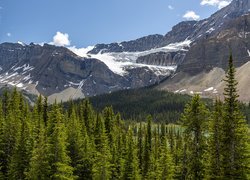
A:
x: 50, y: 70
x: 212, y: 51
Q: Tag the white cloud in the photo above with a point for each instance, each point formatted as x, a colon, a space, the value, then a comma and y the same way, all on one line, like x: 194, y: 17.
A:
x: 61, y: 39
x: 218, y: 3
x: 170, y: 7
x: 8, y: 34
x: 191, y: 15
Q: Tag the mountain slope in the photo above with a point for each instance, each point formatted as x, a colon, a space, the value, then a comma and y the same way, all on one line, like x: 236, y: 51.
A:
x: 60, y: 74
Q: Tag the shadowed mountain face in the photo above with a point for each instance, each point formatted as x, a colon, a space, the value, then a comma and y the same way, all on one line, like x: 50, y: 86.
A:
x: 58, y: 72
x: 191, y: 47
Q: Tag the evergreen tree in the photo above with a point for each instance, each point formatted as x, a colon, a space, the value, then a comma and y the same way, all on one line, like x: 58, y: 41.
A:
x: 88, y: 118
x: 22, y: 150
x: 147, y: 158
x: 45, y: 110
x: 11, y: 128
x: 2, y: 154
x: 39, y: 167
x: 108, y: 116
x: 165, y: 163
x: 102, y: 166
x: 131, y: 169
x: 58, y: 157
x: 235, y: 157
x: 194, y: 120
x: 140, y: 146
x: 215, y: 138
x: 178, y: 155
x: 79, y: 147
x: 117, y: 148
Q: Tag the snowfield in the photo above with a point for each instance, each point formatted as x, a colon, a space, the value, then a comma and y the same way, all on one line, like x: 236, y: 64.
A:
x: 121, y: 61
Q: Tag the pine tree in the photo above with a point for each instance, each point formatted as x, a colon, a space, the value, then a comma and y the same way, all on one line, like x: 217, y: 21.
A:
x: 22, y: 150
x: 79, y: 147
x: 45, y: 110
x: 11, y: 128
x: 140, y: 146
x: 235, y: 157
x: 215, y: 138
x: 88, y: 116
x: 108, y: 116
x: 58, y: 157
x: 102, y: 166
x: 131, y: 167
x: 147, y: 158
x: 178, y: 155
x: 117, y: 148
x: 194, y: 120
x: 2, y: 154
x: 39, y: 167
x: 166, y: 165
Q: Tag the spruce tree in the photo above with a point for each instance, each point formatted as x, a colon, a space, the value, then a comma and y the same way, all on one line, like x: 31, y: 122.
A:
x: 194, y: 120
x: 108, y: 116
x: 166, y: 165
x: 58, y: 155
x: 11, y: 128
x: 235, y: 155
x: 2, y: 154
x: 131, y: 166
x: 215, y: 138
x: 39, y: 167
x: 88, y: 118
x: 102, y: 160
x: 79, y: 147
x: 22, y: 150
x: 140, y: 145
x: 147, y: 157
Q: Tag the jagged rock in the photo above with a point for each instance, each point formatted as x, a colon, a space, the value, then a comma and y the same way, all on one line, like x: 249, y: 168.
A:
x: 162, y: 58
x: 51, y: 70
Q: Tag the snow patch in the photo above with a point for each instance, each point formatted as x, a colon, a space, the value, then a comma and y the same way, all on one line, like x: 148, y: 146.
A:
x: 82, y: 52
x: 209, y: 89
x: 184, y: 90
x: 20, y: 85
x: 210, y: 30
x: 248, y: 52
x: 21, y: 43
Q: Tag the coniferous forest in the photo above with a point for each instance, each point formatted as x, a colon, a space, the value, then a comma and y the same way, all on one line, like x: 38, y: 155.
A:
x: 50, y: 142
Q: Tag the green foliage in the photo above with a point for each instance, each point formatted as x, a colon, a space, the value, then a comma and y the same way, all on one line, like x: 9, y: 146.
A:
x: 137, y: 104
x: 235, y: 152
x: 194, y: 120
x: 48, y: 142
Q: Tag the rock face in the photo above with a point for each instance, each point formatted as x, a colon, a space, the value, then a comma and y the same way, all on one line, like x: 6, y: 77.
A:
x: 162, y: 58
x: 141, y: 44
x: 204, y: 65
x: 51, y: 70
x: 213, y: 51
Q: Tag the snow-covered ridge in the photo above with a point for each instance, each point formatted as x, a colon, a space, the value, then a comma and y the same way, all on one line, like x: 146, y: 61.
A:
x: 119, y: 62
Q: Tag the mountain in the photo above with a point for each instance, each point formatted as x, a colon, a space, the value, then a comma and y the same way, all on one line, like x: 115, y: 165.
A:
x: 60, y: 74
x: 204, y: 66
x: 177, y: 61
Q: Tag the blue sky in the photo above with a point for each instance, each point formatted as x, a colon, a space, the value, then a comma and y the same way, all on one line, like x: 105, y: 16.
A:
x: 88, y: 22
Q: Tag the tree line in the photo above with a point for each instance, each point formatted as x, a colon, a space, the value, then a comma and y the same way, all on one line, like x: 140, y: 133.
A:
x: 51, y: 142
